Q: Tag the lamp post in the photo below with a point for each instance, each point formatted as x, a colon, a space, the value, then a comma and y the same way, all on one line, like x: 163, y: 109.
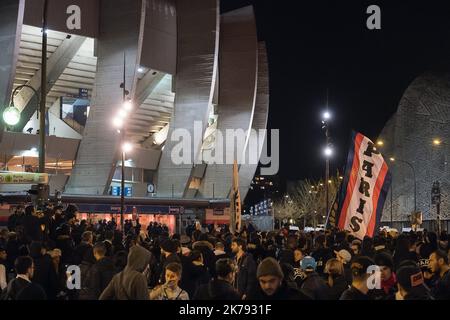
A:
x: 11, y: 115
x: 43, y: 90
x: 119, y: 123
x: 328, y: 151
x: 392, y: 159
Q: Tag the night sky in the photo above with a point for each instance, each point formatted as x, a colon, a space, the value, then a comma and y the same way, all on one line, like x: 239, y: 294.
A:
x: 315, y: 45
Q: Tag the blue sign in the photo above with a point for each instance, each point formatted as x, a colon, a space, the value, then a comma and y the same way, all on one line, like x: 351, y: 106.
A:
x: 115, y: 191
x: 128, y: 191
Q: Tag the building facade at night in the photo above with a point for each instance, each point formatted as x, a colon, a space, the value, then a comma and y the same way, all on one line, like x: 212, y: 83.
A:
x: 184, y: 62
x: 417, y: 138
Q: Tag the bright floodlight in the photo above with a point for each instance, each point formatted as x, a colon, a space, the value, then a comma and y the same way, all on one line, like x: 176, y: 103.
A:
x: 118, y: 122
x: 127, y: 147
x: 11, y: 115
x: 326, y: 115
x: 380, y: 143
x: 127, y: 105
x: 328, y: 152
x: 392, y: 159
x: 122, y: 113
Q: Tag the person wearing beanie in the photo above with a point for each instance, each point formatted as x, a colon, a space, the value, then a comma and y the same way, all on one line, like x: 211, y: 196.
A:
x: 359, y: 289
x: 388, y: 278
x: 168, y: 255
x: 411, y: 284
x: 313, y: 284
x: 272, y: 285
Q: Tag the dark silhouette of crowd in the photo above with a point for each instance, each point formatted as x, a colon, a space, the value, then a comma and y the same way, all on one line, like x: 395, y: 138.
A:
x: 40, y: 249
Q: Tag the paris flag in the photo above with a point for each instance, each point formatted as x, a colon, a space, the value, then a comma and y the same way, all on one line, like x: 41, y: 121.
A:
x: 363, y: 192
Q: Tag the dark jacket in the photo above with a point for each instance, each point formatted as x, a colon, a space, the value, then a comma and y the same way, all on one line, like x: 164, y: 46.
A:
x: 32, y: 292
x: 245, y: 280
x: 441, y: 289
x: 131, y: 283
x: 339, y: 286
x: 316, y: 287
x: 20, y: 289
x: 209, y: 258
x: 45, y: 275
x: 97, y: 279
x: 83, y: 251
x: 283, y: 293
x: 195, y: 277
x: 353, y: 294
x: 322, y: 255
x: 65, y: 244
x: 216, y: 290
x: 32, y: 228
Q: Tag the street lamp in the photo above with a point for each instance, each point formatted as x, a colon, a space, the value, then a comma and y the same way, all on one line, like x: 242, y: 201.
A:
x: 380, y: 143
x: 11, y: 115
x: 436, y: 142
x: 392, y: 159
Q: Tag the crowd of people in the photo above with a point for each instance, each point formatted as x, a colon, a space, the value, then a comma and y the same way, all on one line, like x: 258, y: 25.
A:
x: 211, y: 263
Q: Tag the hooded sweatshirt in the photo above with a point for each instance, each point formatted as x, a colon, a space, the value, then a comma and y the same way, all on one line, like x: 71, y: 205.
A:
x: 130, y: 284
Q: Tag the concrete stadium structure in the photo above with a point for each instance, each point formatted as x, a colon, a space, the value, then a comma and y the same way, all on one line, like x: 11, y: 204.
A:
x: 184, y: 62
x: 419, y: 133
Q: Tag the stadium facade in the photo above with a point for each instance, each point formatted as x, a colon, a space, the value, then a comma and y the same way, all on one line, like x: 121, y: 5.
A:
x: 184, y: 63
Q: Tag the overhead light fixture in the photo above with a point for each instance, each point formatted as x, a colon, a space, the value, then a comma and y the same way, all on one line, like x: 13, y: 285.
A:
x: 118, y: 122
x: 127, y: 147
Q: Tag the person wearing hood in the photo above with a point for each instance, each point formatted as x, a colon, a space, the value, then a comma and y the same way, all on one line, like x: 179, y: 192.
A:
x: 272, y: 285
x: 131, y: 283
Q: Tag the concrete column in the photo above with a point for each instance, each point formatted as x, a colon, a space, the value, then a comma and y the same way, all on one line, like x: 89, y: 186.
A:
x: 197, y: 50
x: 237, y: 91
x: 260, y: 116
x: 11, y: 17
x: 120, y: 22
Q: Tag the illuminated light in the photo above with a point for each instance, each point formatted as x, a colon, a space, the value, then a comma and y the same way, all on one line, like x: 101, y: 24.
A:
x: 328, y: 152
x: 140, y: 69
x: 118, y: 122
x: 329, y: 181
x: 436, y: 142
x: 11, y: 116
x: 341, y: 177
x: 326, y: 115
x: 127, y: 106
x: 127, y: 147
x: 380, y: 143
x: 122, y: 113
x: 392, y: 159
